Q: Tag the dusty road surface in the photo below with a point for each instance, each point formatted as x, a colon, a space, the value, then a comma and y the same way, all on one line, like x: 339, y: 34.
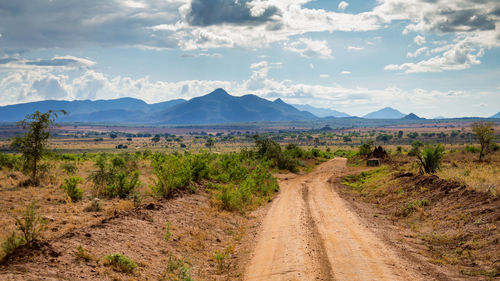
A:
x: 310, y: 234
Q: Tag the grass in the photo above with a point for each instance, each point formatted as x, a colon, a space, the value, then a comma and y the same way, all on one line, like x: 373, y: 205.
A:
x: 479, y: 176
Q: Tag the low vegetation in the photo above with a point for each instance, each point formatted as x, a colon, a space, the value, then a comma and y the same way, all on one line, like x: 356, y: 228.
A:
x: 121, y: 262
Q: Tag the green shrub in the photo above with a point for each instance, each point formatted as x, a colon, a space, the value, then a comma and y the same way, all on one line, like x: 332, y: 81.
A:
x: 178, y: 269
x: 9, y: 161
x: 121, y: 262
x: 221, y: 257
x: 81, y: 253
x: 31, y: 224
x: 172, y: 172
x: 366, y: 149
x: 471, y: 149
x: 71, y: 187
x: 411, y: 207
x: 123, y: 186
x: 69, y: 168
x: 10, y: 244
x: 430, y: 158
x: 116, y: 177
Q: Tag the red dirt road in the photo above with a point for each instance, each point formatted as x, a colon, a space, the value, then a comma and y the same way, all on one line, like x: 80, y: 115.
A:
x: 310, y: 234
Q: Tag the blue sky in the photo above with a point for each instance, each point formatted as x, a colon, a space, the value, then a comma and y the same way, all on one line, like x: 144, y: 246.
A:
x: 433, y: 58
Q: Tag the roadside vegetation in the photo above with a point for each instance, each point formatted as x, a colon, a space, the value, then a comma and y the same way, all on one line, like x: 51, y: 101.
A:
x: 447, y: 200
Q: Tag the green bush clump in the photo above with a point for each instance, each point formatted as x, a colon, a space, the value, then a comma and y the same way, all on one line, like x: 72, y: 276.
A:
x: 472, y: 149
x: 71, y: 187
x: 116, y: 177
x: 10, y: 161
x: 121, y: 262
x: 172, y: 172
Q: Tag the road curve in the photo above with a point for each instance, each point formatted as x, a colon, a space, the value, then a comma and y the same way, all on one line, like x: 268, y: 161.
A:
x: 310, y: 234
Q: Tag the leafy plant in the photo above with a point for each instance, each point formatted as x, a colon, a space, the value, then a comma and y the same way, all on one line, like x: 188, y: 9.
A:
x: 31, y: 224
x: 168, y: 232
x: 430, y: 159
x: 81, y: 253
x: 12, y: 242
x: 121, y: 262
x: 71, y: 187
x: 221, y: 258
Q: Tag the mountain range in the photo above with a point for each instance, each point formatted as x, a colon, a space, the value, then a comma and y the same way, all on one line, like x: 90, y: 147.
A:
x: 496, y: 115
x: 216, y: 107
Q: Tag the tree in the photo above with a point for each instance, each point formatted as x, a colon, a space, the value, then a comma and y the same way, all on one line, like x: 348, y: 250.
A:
x: 32, y: 144
x: 210, y: 143
x: 484, y: 133
x: 400, y: 134
x: 156, y: 138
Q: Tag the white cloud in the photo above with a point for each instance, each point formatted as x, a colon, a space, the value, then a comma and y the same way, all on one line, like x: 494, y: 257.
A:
x: 342, y: 5
x: 419, y: 40
x: 355, y: 48
x: 345, y: 72
x: 460, y: 56
x: 309, y: 48
x: 59, y: 63
x: 417, y: 53
x: 311, y: 66
x: 324, y: 76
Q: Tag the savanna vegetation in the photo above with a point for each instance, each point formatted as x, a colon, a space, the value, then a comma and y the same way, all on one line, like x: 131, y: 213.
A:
x: 446, y: 199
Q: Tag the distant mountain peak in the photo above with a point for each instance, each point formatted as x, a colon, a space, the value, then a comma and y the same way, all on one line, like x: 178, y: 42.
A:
x: 219, y: 93
x: 278, y: 100
x: 385, y: 113
x: 496, y: 115
x: 412, y: 116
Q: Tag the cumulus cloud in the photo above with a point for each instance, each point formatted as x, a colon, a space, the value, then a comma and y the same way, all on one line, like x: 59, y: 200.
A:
x: 417, y: 52
x: 309, y: 48
x: 345, y: 72
x: 342, y: 5
x: 419, y: 40
x: 475, y: 25
x: 458, y: 57
x: 324, y: 76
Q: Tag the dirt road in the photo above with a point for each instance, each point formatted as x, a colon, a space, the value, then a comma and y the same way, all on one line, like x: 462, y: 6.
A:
x: 310, y: 234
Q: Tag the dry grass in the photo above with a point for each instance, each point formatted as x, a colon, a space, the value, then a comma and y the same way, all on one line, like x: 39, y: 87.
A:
x: 480, y: 176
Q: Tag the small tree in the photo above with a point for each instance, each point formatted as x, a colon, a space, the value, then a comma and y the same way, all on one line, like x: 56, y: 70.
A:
x: 484, y: 133
x: 32, y: 144
x: 210, y: 143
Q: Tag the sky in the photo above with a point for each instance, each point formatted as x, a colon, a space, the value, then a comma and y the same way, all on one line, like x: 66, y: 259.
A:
x: 429, y: 57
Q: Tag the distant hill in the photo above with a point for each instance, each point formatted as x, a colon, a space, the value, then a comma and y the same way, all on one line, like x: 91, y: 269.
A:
x: 320, y: 112
x: 127, y: 110
x: 496, y: 115
x: 385, y: 113
x: 412, y: 116
x: 221, y: 107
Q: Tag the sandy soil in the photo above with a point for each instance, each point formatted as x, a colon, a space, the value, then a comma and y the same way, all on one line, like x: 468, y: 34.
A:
x: 310, y: 234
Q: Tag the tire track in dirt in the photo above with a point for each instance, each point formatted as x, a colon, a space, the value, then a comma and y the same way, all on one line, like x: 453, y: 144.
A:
x: 310, y: 234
